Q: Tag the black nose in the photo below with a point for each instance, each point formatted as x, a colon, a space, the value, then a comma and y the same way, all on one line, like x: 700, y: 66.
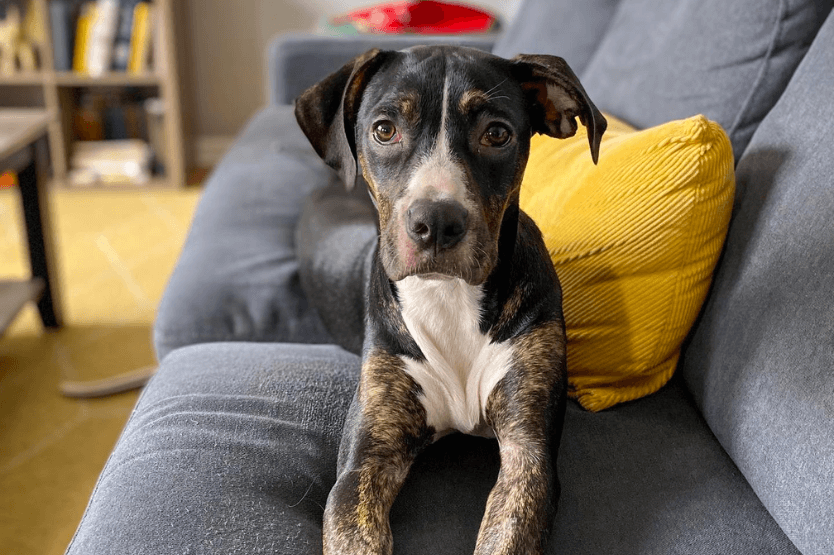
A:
x: 437, y: 225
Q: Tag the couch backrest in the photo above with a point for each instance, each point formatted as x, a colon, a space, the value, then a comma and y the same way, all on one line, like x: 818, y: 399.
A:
x: 567, y: 28
x: 729, y: 60
x: 761, y: 360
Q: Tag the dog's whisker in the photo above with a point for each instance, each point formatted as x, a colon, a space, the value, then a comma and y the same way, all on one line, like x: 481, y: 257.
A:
x: 493, y: 88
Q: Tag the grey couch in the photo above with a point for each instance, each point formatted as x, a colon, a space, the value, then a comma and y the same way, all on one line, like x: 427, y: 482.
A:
x: 232, y: 446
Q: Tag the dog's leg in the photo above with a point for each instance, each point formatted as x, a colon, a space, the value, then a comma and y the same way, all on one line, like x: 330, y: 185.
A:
x: 385, y: 430
x: 526, y: 410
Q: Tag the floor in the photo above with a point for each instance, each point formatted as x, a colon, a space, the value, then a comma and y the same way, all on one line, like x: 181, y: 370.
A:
x: 115, y: 251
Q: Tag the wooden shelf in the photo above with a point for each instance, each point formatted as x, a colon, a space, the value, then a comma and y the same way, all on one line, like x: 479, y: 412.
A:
x: 59, y: 95
x: 74, y: 79
x: 26, y: 78
x: 15, y: 294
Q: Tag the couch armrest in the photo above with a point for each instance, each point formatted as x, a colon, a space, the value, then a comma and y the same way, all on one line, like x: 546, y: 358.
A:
x: 760, y: 358
x: 296, y: 61
x: 237, y: 276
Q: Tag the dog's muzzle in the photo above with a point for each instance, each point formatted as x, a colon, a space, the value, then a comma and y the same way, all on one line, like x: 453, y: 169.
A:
x: 436, y: 225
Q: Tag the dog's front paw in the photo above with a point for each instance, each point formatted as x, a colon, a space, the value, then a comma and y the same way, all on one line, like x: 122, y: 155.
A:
x: 352, y: 526
x: 344, y: 538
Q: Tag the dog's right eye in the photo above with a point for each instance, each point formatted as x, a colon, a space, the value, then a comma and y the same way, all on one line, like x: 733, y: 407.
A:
x: 385, y: 132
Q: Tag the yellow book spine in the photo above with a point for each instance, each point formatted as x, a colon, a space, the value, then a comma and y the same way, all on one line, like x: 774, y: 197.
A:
x: 89, y: 12
x: 140, y: 38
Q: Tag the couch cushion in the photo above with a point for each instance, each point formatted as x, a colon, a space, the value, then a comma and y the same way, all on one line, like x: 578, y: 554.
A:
x: 237, y: 277
x: 634, y: 240
x: 232, y: 449
x: 760, y: 363
x: 563, y: 28
x: 730, y: 61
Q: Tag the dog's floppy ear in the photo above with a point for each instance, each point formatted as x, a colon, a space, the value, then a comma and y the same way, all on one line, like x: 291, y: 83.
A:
x: 326, y: 112
x: 557, y: 98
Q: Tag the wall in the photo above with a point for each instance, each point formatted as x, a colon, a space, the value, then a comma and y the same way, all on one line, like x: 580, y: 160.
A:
x: 222, y: 45
x: 221, y: 61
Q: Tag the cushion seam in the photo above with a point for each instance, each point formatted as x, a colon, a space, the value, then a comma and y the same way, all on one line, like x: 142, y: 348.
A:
x: 748, y: 101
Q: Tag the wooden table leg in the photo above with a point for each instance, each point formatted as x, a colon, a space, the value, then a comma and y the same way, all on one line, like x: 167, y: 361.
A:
x: 32, y: 183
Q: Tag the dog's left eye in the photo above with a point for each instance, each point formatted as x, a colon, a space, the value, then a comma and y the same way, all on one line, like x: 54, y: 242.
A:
x: 385, y: 132
x: 496, y: 135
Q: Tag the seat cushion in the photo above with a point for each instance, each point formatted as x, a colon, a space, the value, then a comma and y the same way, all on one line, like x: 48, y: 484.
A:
x: 232, y: 449
x: 760, y: 362
x: 634, y: 240
x: 661, y: 61
x: 237, y: 277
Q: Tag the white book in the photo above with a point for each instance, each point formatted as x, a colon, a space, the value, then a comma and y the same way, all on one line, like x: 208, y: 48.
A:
x: 102, y: 37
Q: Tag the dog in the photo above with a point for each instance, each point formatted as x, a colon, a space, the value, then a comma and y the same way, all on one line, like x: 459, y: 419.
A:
x: 463, y: 326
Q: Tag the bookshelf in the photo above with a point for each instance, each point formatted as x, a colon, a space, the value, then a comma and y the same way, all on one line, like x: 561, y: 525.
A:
x: 62, y: 93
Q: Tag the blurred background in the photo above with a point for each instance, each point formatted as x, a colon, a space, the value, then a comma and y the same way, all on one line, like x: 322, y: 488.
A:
x: 112, y: 113
x: 218, y: 108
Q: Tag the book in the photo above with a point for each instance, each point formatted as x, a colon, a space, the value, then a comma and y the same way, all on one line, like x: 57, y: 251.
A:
x: 155, y: 116
x: 114, y: 119
x: 105, y: 114
x: 88, y: 117
x: 121, y: 46
x: 9, y: 36
x: 62, y: 15
x: 86, y: 18
x: 102, y: 34
x: 140, y: 38
x: 33, y: 37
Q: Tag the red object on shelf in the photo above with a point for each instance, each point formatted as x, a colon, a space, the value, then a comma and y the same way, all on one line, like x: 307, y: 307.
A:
x: 8, y: 180
x: 426, y: 17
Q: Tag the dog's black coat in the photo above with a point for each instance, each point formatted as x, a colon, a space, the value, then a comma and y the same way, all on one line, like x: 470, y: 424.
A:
x: 444, y: 126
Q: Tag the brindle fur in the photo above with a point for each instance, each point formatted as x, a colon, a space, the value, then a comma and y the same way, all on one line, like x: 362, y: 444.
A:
x: 523, y: 410
x: 387, y: 425
x: 384, y: 433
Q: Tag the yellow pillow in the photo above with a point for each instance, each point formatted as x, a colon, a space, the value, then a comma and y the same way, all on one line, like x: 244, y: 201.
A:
x: 634, y: 241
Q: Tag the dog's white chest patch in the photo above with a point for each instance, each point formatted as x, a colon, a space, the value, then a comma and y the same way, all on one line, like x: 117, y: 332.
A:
x: 462, y: 365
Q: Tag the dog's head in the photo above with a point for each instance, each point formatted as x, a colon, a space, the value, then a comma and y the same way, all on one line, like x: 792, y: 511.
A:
x: 441, y: 135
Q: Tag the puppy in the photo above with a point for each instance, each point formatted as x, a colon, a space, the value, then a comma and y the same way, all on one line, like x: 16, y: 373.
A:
x: 463, y: 328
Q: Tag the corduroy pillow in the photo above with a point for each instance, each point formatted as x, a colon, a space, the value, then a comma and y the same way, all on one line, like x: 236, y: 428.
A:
x: 634, y: 241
